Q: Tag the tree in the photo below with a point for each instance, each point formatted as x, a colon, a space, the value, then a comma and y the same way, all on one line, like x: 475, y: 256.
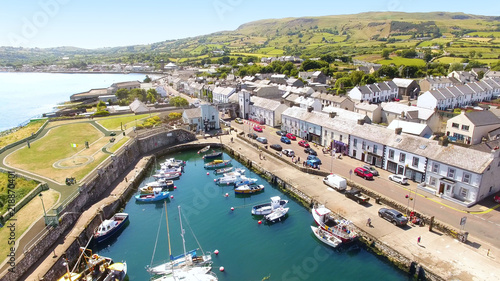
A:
x: 179, y: 102
x: 101, y: 106
x: 455, y: 67
x: 122, y: 94
x: 147, y: 79
x: 428, y: 56
x: 386, y: 53
x: 356, y: 77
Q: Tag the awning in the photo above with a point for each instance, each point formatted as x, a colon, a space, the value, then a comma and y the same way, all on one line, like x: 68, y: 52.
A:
x: 446, y: 180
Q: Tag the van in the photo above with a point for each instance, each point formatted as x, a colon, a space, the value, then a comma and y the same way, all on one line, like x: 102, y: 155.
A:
x: 336, y: 182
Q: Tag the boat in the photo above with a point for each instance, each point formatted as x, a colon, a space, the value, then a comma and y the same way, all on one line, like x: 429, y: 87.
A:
x: 326, y: 237
x: 212, y: 155
x: 341, y: 228
x: 217, y: 164
x: 190, y: 274
x: 163, y: 183
x: 117, y: 272
x: 108, y: 228
x: 223, y: 170
x: 265, y: 209
x: 95, y: 267
x: 165, y: 169
x: 203, y: 150
x: 276, y: 214
x: 167, y: 176
x: 227, y: 180
x: 187, y: 262
x: 244, y: 180
x: 236, y: 172
x: 172, y: 162
x: 157, y: 195
x: 249, y: 188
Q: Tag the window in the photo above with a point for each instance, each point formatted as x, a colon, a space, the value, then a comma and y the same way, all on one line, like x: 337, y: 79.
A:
x: 355, y: 142
x: 402, y: 157
x: 391, y: 154
x: 332, y: 136
x: 375, y: 149
x: 451, y: 173
x: 435, y: 167
x: 415, y: 162
x: 465, y: 128
x: 432, y: 181
x: 340, y: 139
x: 354, y: 153
x: 455, y: 125
x: 466, y: 178
x: 464, y: 192
x: 363, y: 145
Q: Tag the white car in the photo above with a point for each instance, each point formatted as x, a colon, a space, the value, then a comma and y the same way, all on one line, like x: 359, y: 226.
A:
x: 288, y: 152
x: 399, y: 179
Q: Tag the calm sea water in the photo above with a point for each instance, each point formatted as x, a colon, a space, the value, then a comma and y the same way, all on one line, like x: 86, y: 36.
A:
x: 286, y: 250
x: 27, y: 95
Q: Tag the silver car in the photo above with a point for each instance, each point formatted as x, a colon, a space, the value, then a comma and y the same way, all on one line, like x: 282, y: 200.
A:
x: 372, y: 170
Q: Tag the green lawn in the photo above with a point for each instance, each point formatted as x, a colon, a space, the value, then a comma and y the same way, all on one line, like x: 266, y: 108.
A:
x: 21, y: 188
x: 22, y: 133
x: 402, y: 61
x: 118, y: 144
x: 114, y: 123
x: 455, y: 59
x: 485, y: 33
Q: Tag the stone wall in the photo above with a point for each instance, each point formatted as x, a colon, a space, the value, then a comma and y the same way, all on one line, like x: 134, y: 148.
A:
x: 25, y: 139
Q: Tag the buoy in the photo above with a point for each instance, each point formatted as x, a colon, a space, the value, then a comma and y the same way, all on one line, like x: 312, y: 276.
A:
x: 232, y: 208
x: 208, y: 173
x: 171, y: 197
x: 260, y: 222
x: 175, y: 186
x: 227, y: 195
x: 221, y: 269
x: 216, y: 252
x: 215, y: 180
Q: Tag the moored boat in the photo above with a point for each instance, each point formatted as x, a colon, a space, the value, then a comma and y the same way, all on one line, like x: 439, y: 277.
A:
x: 163, y: 183
x: 236, y: 172
x: 190, y: 274
x: 212, y: 155
x: 249, y: 188
x: 157, y: 195
x: 223, y: 170
x: 326, y: 237
x: 110, y: 227
x: 117, y: 272
x: 342, y: 228
x: 244, y: 180
x: 95, y: 267
x: 203, y: 150
x: 267, y: 208
x: 172, y: 162
x: 276, y: 214
x: 217, y: 164
x: 167, y: 176
x: 228, y: 180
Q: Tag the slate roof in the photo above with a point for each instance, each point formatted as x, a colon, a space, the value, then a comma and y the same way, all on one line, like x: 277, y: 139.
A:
x: 482, y: 118
x: 402, y: 83
x: 265, y: 103
x: 193, y: 113
x: 408, y: 127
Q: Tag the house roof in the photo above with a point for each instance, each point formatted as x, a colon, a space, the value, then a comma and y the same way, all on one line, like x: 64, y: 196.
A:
x: 329, y: 97
x: 345, y: 114
x: 366, y: 106
x: 138, y: 106
x: 265, y: 103
x: 402, y: 83
x: 193, y: 113
x: 482, y: 118
x: 408, y: 127
x: 397, y: 108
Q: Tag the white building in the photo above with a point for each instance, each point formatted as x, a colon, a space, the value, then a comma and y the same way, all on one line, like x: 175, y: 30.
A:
x: 303, y: 123
x: 266, y: 111
x: 203, y: 118
x: 222, y: 94
x: 375, y: 93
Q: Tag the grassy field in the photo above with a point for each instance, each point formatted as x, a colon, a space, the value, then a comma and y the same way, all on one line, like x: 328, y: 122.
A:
x: 485, y: 33
x: 118, y: 144
x: 22, y: 187
x: 455, y: 59
x: 113, y: 123
x: 402, y: 61
x: 22, y: 133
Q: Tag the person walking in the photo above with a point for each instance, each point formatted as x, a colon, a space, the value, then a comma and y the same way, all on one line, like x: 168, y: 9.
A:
x: 369, y: 222
x: 418, y: 240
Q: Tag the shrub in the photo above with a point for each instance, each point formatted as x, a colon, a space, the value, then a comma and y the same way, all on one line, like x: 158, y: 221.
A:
x: 101, y: 113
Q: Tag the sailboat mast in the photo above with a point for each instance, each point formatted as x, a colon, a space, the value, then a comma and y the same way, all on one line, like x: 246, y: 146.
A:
x: 182, y: 232
x: 168, y: 231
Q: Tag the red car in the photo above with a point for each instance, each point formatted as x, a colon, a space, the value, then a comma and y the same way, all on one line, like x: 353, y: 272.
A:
x: 304, y: 143
x: 497, y: 199
x: 257, y: 129
x: 364, y: 173
x: 291, y: 136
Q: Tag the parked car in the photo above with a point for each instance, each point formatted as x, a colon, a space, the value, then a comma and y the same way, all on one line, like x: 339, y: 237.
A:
x: 364, y: 173
x: 112, y: 134
x: 238, y: 120
x: 252, y: 135
x: 356, y: 195
x: 372, y: 170
x: 291, y: 136
x: 335, y: 181
x: 393, y: 216
x: 285, y: 140
x: 310, y: 151
x: 281, y: 133
x: 276, y: 147
x: 261, y: 140
x: 313, y: 157
x: 399, y: 179
x: 304, y: 143
x: 257, y: 129
x: 288, y: 152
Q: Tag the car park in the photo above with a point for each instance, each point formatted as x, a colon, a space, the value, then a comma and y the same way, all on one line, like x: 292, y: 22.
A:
x: 238, y: 120
x: 257, y: 129
x: 252, y: 135
x: 261, y: 140
x: 364, y: 173
x: 288, y: 152
x: 399, y: 179
x: 393, y: 216
x: 304, y: 143
x: 276, y: 147
x: 285, y: 140
x: 291, y: 136
x: 281, y: 133
x: 372, y: 170
x: 310, y: 151
x: 313, y: 157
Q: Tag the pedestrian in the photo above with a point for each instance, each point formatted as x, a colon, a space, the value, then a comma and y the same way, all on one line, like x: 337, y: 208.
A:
x: 298, y: 159
x: 369, y: 222
x: 304, y: 163
x: 418, y: 240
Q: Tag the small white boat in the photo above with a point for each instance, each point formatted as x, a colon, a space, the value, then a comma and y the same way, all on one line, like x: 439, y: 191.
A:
x: 190, y: 274
x: 228, y: 180
x: 249, y: 188
x: 244, y: 181
x: 172, y: 162
x: 276, y: 214
x: 167, y: 176
x: 342, y: 229
x: 267, y: 208
x: 326, y: 237
x: 165, y: 169
x: 203, y: 150
x: 163, y: 183
x: 236, y: 172
x: 223, y: 170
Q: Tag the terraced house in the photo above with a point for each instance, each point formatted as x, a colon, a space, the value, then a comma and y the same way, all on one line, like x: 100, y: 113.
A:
x: 375, y: 93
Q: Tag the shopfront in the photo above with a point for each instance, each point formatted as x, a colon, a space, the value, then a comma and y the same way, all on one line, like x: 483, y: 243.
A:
x: 340, y: 147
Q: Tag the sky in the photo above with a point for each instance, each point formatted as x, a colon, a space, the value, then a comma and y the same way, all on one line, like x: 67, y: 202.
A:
x: 111, y: 23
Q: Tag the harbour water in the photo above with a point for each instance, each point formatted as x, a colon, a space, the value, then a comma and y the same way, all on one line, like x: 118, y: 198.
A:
x: 286, y: 250
x: 27, y: 95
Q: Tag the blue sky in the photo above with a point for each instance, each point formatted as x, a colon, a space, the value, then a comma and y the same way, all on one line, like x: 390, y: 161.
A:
x: 110, y: 23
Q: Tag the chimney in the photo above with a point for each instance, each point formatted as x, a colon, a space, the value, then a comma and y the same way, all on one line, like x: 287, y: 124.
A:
x: 443, y: 141
x: 332, y: 114
x: 309, y: 109
x: 398, y: 131
x: 361, y: 121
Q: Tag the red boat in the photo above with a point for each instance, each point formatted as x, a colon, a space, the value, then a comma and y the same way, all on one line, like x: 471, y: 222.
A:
x: 342, y: 229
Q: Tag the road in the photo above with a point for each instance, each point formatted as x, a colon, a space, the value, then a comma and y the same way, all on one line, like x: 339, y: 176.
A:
x: 483, y: 220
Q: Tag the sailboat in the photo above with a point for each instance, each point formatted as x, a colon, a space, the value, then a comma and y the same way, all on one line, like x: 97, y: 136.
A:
x: 185, y: 264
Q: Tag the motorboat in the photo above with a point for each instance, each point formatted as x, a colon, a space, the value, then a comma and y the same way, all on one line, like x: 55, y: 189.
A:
x: 157, y: 195
x: 110, y: 227
x: 203, y: 150
x: 190, y: 274
x: 326, y: 237
x: 228, y: 180
x: 212, y: 155
x: 276, y: 214
x: 172, y: 162
x: 341, y: 228
x: 223, y: 170
x: 95, y: 267
x: 165, y: 169
x: 117, y: 272
x: 244, y: 181
x: 267, y: 208
x: 217, y: 164
x: 236, y: 172
x: 249, y: 188
x: 167, y: 176
x: 163, y: 183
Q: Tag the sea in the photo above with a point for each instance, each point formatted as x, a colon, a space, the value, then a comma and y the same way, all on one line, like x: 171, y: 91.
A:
x: 248, y: 251
x: 28, y: 95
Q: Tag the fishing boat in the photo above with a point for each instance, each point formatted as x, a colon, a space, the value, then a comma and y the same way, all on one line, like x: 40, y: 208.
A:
x: 187, y: 262
x: 190, y: 274
x: 167, y: 176
x: 95, y: 267
x: 326, y: 237
x: 276, y: 214
x: 212, y: 155
x: 110, y: 227
x: 223, y: 170
x: 217, y: 164
x: 341, y: 228
x: 165, y: 169
x: 267, y: 208
x: 249, y: 188
x: 157, y: 195
x: 203, y: 150
x: 117, y: 272
x: 163, y: 183
x: 172, y: 162
x: 244, y: 181
x: 236, y: 172
x: 227, y: 180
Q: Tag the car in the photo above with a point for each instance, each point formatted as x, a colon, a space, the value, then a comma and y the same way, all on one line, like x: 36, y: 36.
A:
x: 364, y: 173
x: 238, y: 120
x: 288, y: 152
x: 285, y: 140
x: 310, y: 151
x: 291, y: 136
x: 399, y: 179
x: 112, y: 134
x: 314, y: 158
x: 252, y: 135
x: 393, y: 216
x: 257, y: 129
x: 281, y: 133
x: 372, y: 170
x: 304, y: 143
x: 261, y: 140
x: 276, y: 147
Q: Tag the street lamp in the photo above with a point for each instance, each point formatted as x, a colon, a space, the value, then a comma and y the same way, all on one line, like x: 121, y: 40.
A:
x: 43, y: 206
